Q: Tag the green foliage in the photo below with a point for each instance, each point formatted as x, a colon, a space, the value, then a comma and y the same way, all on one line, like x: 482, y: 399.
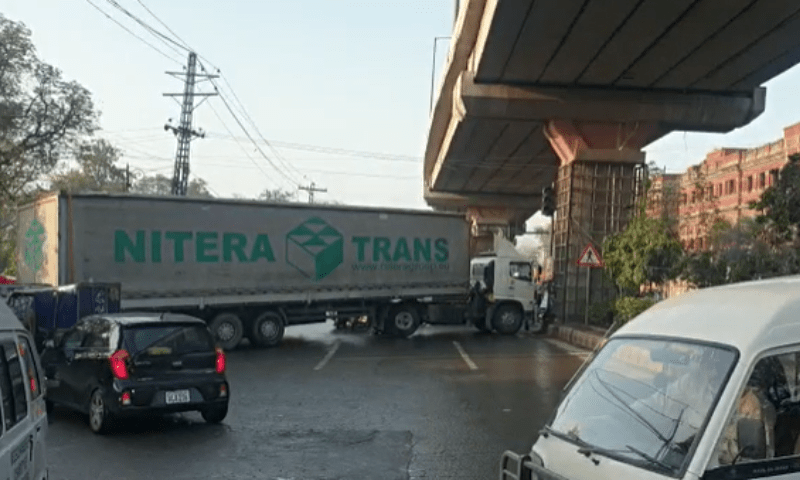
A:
x: 781, y: 203
x: 97, y: 170
x: 626, y: 308
x: 162, y: 186
x: 278, y: 196
x: 601, y: 313
x: 41, y: 115
x: 646, y: 251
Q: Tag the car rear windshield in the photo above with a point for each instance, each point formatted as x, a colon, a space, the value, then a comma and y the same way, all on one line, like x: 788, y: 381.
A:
x: 167, y: 339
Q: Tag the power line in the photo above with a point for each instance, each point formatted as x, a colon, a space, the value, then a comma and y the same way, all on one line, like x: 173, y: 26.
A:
x: 185, y: 45
x: 339, y: 151
x: 286, y: 165
x: 239, y: 122
x: 242, y: 146
x: 131, y: 32
x: 164, y: 39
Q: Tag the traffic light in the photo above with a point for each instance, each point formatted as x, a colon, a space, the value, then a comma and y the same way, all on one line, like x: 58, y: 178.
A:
x: 548, y: 201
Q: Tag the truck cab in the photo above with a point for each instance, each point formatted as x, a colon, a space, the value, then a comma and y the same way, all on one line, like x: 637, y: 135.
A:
x: 502, y: 282
x: 705, y: 385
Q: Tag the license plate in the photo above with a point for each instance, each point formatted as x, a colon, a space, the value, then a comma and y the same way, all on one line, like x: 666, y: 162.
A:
x: 178, y: 396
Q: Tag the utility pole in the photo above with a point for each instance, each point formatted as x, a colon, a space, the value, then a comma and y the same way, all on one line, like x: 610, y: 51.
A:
x: 184, y: 132
x: 127, y: 177
x: 311, y: 189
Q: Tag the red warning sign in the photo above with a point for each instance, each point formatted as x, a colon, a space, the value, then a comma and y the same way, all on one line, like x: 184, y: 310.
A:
x: 590, y: 258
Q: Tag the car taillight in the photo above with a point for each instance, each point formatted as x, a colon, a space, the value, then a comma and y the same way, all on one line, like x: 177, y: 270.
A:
x: 220, y: 361
x: 119, y: 366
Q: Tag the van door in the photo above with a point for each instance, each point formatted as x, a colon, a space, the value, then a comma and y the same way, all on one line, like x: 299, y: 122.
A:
x: 762, y: 436
x: 38, y: 411
x: 16, y: 443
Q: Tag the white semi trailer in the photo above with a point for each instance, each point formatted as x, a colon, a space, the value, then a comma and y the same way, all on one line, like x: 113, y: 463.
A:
x: 252, y: 268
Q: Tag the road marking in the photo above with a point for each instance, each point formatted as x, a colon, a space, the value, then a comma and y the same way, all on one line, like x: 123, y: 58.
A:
x: 328, y: 355
x: 464, y: 355
x: 571, y: 349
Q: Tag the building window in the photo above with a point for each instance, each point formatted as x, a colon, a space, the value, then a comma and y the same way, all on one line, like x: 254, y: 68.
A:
x: 762, y: 180
x: 750, y: 183
x: 773, y: 176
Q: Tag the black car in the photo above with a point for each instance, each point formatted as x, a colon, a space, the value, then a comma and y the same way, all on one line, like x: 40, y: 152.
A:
x: 114, y: 365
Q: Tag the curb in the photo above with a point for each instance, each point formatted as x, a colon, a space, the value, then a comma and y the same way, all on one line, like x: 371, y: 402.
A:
x: 579, y: 337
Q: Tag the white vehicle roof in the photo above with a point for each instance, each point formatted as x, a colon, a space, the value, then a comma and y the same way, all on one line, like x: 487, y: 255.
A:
x: 8, y: 320
x: 751, y: 316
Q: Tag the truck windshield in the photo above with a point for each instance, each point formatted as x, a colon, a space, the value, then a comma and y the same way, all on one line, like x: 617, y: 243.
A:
x: 644, y: 401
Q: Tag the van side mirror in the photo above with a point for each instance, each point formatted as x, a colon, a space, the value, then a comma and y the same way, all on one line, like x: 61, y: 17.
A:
x: 50, y: 343
x: 751, y: 438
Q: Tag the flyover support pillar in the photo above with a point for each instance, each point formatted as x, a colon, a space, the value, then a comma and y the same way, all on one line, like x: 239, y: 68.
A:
x: 486, y: 221
x: 600, y: 177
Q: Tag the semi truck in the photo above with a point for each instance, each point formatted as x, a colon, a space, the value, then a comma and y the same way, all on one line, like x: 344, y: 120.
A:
x: 250, y: 268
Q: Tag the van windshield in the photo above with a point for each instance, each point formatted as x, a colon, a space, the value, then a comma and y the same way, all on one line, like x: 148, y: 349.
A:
x: 644, y: 401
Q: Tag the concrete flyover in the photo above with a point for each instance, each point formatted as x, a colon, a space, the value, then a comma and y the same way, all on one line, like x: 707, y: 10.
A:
x: 534, y: 92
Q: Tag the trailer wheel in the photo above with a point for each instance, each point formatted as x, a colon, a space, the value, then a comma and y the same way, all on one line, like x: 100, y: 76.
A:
x: 227, y: 329
x: 267, y: 329
x: 403, y: 320
x: 507, y: 319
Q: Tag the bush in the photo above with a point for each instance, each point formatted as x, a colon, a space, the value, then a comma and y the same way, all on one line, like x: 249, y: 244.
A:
x: 601, y: 313
x: 626, y: 308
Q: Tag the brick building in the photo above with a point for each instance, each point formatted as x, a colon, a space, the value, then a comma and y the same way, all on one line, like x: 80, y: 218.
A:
x: 721, y: 186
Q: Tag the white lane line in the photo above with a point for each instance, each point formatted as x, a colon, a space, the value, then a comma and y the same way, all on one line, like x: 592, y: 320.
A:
x: 328, y: 355
x: 464, y: 355
x: 569, y: 348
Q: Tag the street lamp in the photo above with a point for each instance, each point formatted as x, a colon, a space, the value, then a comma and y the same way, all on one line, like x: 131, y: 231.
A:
x: 433, y: 67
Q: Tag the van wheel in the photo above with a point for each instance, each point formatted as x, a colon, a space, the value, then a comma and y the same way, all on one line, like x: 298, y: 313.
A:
x: 227, y: 329
x: 99, y: 416
x: 267, y: 330
x: 214, y: 414
x: 507, y: 319
x: 403, y: 320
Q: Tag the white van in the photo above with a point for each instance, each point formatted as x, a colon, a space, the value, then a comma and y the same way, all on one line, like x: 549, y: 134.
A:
x: 702, y: 386
x: 23, y: 415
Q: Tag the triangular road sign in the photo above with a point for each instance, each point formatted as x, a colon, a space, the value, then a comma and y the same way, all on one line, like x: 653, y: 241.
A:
x: 590, y: 258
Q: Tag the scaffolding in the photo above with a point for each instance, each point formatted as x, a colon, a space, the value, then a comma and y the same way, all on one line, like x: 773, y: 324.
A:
x: 593, y: 200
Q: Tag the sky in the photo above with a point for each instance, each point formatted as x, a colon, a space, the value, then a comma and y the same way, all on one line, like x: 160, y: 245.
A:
x: 339, y: 88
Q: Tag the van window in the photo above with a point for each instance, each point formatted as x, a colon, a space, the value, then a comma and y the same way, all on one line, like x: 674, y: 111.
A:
x: 34, y: 381
x: 12, y: 383
x: 763, y: 433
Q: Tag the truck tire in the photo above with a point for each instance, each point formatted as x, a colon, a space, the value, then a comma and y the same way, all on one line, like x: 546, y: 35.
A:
x: 507, y: 319
x: 403, y: 320
x: 267, y: 330
x: 227, y: 329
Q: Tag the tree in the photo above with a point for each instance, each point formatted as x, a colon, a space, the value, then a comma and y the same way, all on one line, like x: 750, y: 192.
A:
x: 162, y: 186
x: 781, y: 204
x: 96, y: 170
x: 278, y: 196
x: 645, y: 252
x: 41, y: 114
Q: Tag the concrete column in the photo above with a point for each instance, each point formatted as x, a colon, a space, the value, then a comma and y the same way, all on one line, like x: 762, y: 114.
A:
x: 600, y: 177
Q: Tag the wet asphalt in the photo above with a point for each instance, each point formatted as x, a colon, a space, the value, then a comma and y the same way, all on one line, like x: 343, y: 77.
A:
x: 330, y: 404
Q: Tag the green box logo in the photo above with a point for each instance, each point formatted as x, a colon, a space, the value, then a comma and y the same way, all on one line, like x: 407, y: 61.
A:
x: 314, y: 248
x: 35, y: 238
